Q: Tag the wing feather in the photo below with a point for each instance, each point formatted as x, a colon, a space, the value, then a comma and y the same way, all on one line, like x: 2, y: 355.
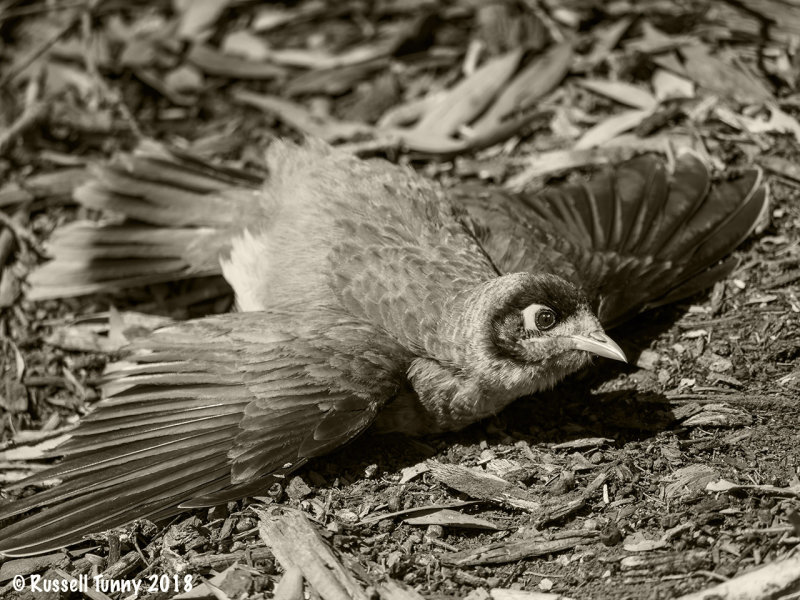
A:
x: 633, y: 236
x: 245, y: 404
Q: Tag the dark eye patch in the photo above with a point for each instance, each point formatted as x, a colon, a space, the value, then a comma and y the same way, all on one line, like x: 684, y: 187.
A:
x: 551, y: 291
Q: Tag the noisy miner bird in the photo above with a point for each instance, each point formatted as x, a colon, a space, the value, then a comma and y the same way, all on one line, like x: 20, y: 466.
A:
x: 367, y: 295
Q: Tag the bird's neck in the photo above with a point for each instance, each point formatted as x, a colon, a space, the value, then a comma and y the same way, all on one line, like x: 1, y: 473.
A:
x: 442, y: 398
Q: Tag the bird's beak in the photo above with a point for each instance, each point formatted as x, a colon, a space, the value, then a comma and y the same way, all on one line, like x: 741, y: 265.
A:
x: 597, y: 342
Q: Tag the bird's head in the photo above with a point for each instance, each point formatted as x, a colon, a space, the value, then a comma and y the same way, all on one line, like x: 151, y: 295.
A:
x: 529, y: 331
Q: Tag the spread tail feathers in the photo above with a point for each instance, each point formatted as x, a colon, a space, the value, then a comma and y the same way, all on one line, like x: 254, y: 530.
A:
x: 177, y: 217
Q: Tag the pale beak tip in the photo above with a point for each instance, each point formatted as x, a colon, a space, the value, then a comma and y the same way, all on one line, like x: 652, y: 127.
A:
x: 597, y: 342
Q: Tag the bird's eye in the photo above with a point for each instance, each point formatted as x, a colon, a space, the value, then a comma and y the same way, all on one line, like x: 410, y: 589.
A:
x: 539, y: 318
x: 545, y: 319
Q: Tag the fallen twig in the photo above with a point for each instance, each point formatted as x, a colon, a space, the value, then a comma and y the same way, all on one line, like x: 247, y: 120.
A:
x: 770, y: 581
x: 296, y: 544
x: 34, y: 110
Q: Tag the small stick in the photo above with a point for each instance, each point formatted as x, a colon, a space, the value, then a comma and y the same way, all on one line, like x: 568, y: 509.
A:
x: 34, y: 110
x: 111, y: 94
x: 31, y: 58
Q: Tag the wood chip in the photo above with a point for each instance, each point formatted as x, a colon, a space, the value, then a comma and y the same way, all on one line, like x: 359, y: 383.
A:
x: 512, y: 551
x: 508, y: 594
x: 638, y: 543
x: 770, y: 581
x: 582, y: 443
x: 478, y: 484
x: 31, y: 564
x: 392, y: 590
x: 722, y: 485
x: 290, y: 587
x: 452, y: 518
x: 296, y: 544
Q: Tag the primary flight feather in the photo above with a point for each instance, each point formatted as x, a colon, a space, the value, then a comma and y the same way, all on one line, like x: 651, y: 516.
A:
x: 367, y: 296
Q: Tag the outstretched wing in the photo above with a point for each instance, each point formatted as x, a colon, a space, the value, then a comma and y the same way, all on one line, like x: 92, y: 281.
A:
x: 204, y: 412
x: 178, y: 216
x: 633, y: 237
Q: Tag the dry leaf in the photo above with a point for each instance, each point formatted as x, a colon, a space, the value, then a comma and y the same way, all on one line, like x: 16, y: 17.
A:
x: 422, y: 141
x: 619, y: 91
x: 184, y: 79
x: 667, y: 85
x: 320, y: 60
x: 537, y: 79
x: 419, y: 510
x: 243, y: 43
x: 271, y: 16
x: 407, y: 113
x: 778, y: 121
x: 197, y: 16
x: 776, y: 164
x: 461, y: 104
x: 297, y: 116
x: 452, y: 518
x: 689, y: 479
x: 607, y: 36
x: 214, y: 62
x: 105, y: 333
x: 607, y: 130
x: 655, y: 41
x: 721, y: 77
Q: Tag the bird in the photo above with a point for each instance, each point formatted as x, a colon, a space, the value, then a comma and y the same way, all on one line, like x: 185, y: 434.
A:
x: 367, y: 296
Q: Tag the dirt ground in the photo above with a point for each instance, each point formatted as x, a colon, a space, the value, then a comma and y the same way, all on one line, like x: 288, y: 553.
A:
x: 650, y: 480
